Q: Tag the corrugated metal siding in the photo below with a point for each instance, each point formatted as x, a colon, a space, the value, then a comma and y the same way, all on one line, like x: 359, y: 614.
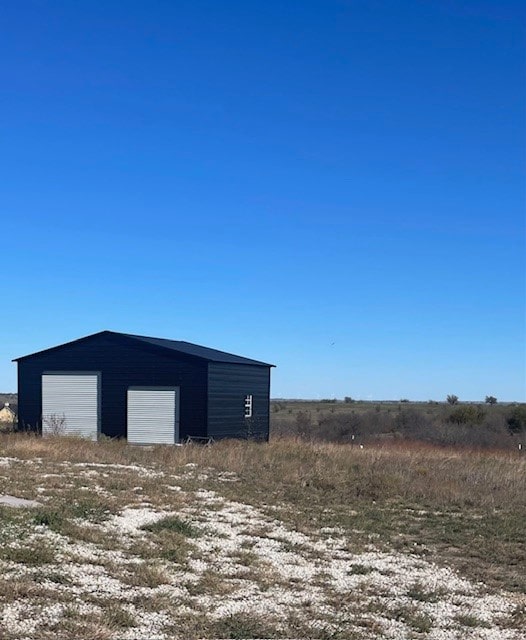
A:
x: 152, y: 416
x: 122, y: 366
x: 228, y: 384
x: 70, y: 405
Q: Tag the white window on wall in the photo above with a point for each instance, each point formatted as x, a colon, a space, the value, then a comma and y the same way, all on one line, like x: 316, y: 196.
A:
x: 248, y: 406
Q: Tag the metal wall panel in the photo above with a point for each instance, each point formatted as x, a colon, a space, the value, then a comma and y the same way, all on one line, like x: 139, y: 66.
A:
x: 70, y: 404
x: 228, y: 387
x: 153, y: 415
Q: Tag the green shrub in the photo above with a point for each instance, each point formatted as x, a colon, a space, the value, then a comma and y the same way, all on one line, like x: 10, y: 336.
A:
x: 517, y: 419
x: 29, y: 555
x: 51, y: 518
x: 173, y: 523
x: 239, y: 626
x: 467, y: 414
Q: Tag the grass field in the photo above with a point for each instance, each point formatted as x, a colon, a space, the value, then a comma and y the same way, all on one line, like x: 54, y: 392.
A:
x: 244, y: 540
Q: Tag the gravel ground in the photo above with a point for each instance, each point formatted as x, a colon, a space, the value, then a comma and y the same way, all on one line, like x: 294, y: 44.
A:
x: 241, y: 563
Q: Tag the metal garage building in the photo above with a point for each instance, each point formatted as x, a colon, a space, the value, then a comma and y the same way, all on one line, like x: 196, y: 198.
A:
x: 149, y: 390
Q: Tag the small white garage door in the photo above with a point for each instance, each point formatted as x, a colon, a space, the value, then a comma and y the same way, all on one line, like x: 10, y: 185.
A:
x: 70, y: 404
x: 153, y: 415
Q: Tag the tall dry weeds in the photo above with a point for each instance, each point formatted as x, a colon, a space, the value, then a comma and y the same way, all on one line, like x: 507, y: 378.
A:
x: 409, y: 471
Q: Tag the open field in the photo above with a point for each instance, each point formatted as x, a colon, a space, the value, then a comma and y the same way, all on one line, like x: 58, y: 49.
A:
x: 246, y: 540
x: 470, y: 424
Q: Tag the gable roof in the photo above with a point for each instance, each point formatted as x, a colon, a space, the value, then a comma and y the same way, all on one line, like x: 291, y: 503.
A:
x: 173, y: 346
x: 212, y: 355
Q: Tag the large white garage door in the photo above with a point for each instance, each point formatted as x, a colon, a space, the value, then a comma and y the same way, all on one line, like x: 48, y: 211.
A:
x: 70, y: 404
x: 153, y: 415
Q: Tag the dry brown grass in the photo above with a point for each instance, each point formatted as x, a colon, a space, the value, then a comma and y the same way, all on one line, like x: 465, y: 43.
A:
x: 408, y: 471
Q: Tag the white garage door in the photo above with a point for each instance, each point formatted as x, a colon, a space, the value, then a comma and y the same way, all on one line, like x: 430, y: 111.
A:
x: 153, y: 415
x: 70, y: 404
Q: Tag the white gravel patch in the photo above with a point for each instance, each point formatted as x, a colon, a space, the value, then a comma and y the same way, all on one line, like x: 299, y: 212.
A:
x: 148, y: 624
x: 106, y: 466
x: 13, y: 501
x: 173, y: 487
x: 6, y: 461
x: 130, y: 521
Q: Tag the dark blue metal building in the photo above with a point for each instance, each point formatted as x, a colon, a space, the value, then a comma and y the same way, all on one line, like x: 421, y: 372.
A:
x: 148, y: 390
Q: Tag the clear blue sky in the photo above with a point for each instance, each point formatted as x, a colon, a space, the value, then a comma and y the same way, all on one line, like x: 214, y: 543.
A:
x: 333, y: 186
